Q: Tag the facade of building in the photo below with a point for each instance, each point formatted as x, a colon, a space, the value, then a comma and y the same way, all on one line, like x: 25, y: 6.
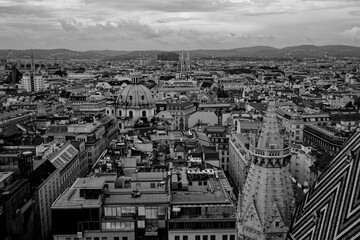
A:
x: 330, y: 209
x: 323, y: 138
x: 267, y: 199
x: 32, y: 82
x: 18, y: 211
x: 301, y: 162
x: 94, y: 209
x: 219, y: 137
x: 295, y: 122
x: 44, y: 182
x: 239, y: 161
x: 181, y: 113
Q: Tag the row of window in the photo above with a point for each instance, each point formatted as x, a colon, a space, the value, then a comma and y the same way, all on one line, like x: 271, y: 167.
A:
x: 206, y: 237
x: 119, y: 211
x: 118, y: 225
x: 98, y: 238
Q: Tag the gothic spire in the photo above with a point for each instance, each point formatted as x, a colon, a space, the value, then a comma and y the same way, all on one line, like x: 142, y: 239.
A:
x: 270, y: 136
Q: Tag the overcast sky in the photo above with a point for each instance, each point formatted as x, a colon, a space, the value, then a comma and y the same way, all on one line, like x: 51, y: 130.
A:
x: 176, y: 24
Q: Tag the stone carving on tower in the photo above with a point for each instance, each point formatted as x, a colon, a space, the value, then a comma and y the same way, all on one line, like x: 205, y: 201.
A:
x: 267, y: 199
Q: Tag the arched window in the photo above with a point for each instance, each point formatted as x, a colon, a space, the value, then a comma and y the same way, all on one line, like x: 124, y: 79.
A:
x: 107, y: 111
x: 144, y: 113
x: 131, y: 114
x: 120, y: 125
x: 120, y: 113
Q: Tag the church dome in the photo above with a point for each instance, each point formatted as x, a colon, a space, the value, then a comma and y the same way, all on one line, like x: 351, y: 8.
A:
x: 135, y: 96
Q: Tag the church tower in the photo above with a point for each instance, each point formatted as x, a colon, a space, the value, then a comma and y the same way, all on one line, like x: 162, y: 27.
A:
x: 267, y: 199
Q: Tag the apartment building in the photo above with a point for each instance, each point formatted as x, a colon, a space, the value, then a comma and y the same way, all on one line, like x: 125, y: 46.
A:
x: 239, y: 161
x: 96, y: 136
x: 294, y: 122
x: 219, y: 137
x: 94, y: 209
x: 201, y: 206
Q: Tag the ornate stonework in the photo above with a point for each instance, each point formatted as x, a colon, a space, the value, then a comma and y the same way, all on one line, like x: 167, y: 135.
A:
x: 266, y: 202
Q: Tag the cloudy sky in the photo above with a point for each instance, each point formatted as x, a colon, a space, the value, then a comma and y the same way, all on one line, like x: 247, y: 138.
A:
x: 176, y: 24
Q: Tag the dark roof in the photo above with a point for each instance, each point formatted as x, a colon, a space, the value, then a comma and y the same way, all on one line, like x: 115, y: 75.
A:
x: 215, y: 129
x: 210, y: 153
x: 76, y: 144
x: 10, y: 131
x: 261, y: 107
x: 41, y: 173
x: 57, y: 128
x: 180, y: 104
x: 223, y: 94
x: 343, y: 117
x: 323, y: 161
x: 206, y: 84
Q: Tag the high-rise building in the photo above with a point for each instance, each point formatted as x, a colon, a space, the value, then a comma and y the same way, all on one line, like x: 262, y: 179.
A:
x: 266, y: 200
x: 184, y: 63
x: 31, y: 81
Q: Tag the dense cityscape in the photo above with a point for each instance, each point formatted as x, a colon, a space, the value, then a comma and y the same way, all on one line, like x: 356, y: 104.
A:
x: 174, y: 146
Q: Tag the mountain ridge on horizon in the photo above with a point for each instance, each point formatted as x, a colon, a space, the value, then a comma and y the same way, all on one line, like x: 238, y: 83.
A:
x: 300, y: 51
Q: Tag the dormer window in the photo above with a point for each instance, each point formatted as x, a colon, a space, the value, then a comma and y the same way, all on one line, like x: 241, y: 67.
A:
x: 142, y: 97
x: 130, y: 98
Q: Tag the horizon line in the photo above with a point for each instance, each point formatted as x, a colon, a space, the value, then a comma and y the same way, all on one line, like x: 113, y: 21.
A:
x: 175, y: 50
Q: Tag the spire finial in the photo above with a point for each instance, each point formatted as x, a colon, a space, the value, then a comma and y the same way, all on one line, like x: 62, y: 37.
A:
x: 32, y: 60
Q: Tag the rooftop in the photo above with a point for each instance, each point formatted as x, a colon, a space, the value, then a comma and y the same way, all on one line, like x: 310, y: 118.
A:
x: 213, y: 193
x: 71, y: 197
x: 90, y: 183
x: 144, y: 198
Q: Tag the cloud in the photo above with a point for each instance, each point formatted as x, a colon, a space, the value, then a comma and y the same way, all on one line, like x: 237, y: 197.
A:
x: 355, y: 13
x: 352, y: 33
x: 176, y: 19
x: 170, y: 5
x: 122, y: 27
x: 267, y: 13
x: 174, y: 24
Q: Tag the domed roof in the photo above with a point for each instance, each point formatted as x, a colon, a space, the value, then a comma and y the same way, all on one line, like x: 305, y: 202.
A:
x: 135, y: 96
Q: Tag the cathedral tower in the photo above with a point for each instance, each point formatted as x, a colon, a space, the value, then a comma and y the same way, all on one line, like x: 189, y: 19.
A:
x: 267, y: 198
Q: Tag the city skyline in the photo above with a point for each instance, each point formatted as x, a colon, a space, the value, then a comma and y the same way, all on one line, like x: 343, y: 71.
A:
x: 172, y: 25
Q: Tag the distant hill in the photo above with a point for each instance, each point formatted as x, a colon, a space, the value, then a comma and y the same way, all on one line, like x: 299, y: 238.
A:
x: 302, y: 51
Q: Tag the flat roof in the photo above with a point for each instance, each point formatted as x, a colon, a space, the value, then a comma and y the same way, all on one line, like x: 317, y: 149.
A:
x: 216, y: 196
x: 144, y: 198
x: 71, y: 199
x: 90, y: 182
